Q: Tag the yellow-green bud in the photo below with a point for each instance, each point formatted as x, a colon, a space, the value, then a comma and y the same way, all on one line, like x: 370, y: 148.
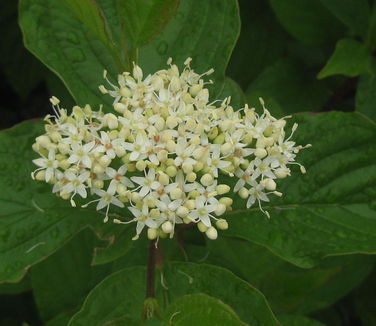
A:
x: 211, y: 233
x: 221, y: 224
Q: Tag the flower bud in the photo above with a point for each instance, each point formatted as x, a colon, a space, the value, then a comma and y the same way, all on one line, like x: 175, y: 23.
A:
x: 163, y: 179
x: 97, y: 183
x: 191, y: 177
x: 137, y: 72
x: 220, y: 210
x: 155, y: 213
x: 182, y: 211
x: 187, y: 167
x: 211, y: 233
x: 43, y: 140
x: 260, y: 152
x: 243, y: 193
x: 172, y: 122
x: 162, y: 155
x: 202, y: 227
x: 125, y: 92
x: 98, y: 169
x: 120, y: 107
x: 111, y: 120
x: 282, y: 173
x: 221, y: 224
x: 167, y: 227
x: 152, y: 233
x: 198, y: 166
x: 226, y: 200
x: 105, y: 161
x: 141, y: 165
x: 175, y: 84
x: 222, y: 189
x: 121, y: 189
x: 190, y: 204
x: 40, y: 175
x: 226, y: 148
x: 207, y: 179
x: 170, y: 145
x: 171, y: 171
x: 194, y: 90
x: 269, y: 184
x: 176, y: 193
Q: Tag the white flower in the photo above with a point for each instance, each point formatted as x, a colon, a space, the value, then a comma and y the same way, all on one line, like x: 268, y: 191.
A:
x: 215, y: 162
x: 143, y: 218
x: 75, y: 184
x: 203, y: 211
x: 163, y: 150
x: 50, y: 165
x: 81, y: 154
x: 106, y: 199
x: 184, y: 152
x: 139, y: 148
x: 108, y: 146
x: 147, y: 183
x: 119, y: 176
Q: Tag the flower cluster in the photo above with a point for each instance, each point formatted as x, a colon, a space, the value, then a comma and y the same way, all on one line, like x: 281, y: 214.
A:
x: 164, y: 153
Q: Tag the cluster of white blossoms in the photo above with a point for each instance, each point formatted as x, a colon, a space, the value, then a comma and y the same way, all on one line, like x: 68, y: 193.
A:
x: 164, y: 151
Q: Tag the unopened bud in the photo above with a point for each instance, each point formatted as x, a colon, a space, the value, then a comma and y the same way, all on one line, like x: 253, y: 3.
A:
x: 222, y: 224
x: 167, y: 227
x: 211, y: 233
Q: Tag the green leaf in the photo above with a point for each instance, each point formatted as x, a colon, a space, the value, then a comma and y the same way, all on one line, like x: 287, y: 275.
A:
x: 77, y: 41
x: 350, y: 58
x: 119, y: 245
x: 16, y: 288
x: 78, y: 54
x: 33, y: 222
x: 205, y: 32
x: 91, y: 16
x: 287, y: 88
x: 119, y: 295
x: 353, y: 13
x: 231, y: 88
x: 122, y: 293
x: 331, y: 209
x: 62, y: 281
x: 296, y: 320
x: 184, y: 278
x: 290, y: 289
x: 365, y: 100
x: 200, y: 309
x: 61, y: 319
x: 144, y: 20
x: 262, y: 41
x: 308, y: 21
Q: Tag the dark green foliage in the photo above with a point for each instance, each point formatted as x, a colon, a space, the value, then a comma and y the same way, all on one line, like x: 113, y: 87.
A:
x: 310, y: 264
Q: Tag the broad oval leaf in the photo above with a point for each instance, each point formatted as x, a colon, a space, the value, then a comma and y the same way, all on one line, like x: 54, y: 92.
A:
x: 331, y: 210
x: 290, y: 289
x: 33, y: 222
x: 122, y: 294
x: 78, y: 47
x: 200, y: 309
x: 296, y: 320
x: 350, y: 58
x: 366, y: 95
